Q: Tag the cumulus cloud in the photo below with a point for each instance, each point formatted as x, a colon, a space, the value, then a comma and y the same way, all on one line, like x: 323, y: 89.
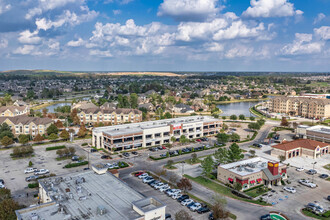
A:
x: 271, y: 8
x: 213, y: 47
x: 319, y: 18
x: 116, y: 12
x: 188, y: 10
x: 3, y: 43
x: 27, y: 37
x: 76, y: 43
x: 100, y: 53
x: 4, y: 7
x: 26, y: 49
x: 239, y: 51
x: 302, y: 45
x: 323, y: 32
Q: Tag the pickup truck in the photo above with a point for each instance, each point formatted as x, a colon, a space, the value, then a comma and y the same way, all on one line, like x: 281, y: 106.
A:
x: 41, y: 172
x: 30, y: 170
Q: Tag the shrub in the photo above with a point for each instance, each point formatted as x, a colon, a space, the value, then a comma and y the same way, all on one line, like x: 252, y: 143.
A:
x: 84, y: 144
x: 33, y: 185
x: 55, y: 148
x: 70, y: 165
x: 326, y: 214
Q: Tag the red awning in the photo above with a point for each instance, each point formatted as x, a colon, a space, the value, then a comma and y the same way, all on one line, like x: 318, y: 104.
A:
x: 252, y: 181
x: 230, y: 179
x: 259, y: 179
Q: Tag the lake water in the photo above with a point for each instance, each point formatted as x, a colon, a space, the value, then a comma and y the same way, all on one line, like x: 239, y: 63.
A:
x: 237, y: 108
x: 51, y: 108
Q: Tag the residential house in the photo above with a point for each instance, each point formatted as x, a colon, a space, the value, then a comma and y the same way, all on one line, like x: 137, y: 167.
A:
x: 12, y: 111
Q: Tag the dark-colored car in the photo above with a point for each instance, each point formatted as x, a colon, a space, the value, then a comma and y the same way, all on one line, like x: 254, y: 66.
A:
x: 190, y: 204
x: 183, y: 197
x: 135, y: 153
x: 323, y: 176
x: 126, y: 154
x: 168, y: 216
x: 86, y: 168
x: 105, y: 157
x: 203, y: 210
x: 265, y: 217
x: 328, y: 198
x: 211, y: 216
x: 93, y: 150
x: 2, y: 181
x: 311, y: 172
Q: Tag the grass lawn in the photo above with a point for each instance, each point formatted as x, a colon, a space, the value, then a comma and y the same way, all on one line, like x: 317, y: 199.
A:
x: 170, y: 167
x: 221, y: 189
x: 256, y: 192
x: 63, y: 158
x: 311, y: 214
x: 189, y: 161
x: 327, y: 166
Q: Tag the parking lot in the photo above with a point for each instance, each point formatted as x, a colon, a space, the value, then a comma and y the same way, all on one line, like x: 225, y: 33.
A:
x: 172, y: 206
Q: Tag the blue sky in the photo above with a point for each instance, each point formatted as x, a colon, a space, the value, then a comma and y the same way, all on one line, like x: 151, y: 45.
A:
x: 165, y: 35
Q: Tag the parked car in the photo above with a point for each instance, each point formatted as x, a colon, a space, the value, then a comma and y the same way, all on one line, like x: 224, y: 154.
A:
x: 2, y: 181
x: 31, y: 178
x: 324, y: 176
x: 138, y: 174
x: 211, y: 216
x: 289, y: 189
x: 143, y: 175
x: 203, y: 210
x: 30, y: 170
x: 299, y: 169
x: 163, y: 155
x: 86, y: 168
x: 190, y: 204
x: 195, y: 206
x: 158, y: 185
x: 75, y: 158
x: 106, y: 157
x: 41, y: 172
x: 199, y: 140
x: 125, y: 154
x: 163, y: 147
x: 173, y: 191
x: 183, y: 197
x: 164, y: 188
x: 312, y: 172
x: 307, y: 183
x: 135, y: 153
x: 168, y: 216
x: 147, y: 179
x: 186, y: 202
x: 265, y: 217
x: 175, y: 196
x: 328, y: 198
x: 93, y: 150
x: 315, y: 207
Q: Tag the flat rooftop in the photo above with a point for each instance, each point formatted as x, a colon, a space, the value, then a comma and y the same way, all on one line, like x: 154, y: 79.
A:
x: 84, y: 196
x: 140, y: 126
x: 249, y: 166
x: 320, y: 129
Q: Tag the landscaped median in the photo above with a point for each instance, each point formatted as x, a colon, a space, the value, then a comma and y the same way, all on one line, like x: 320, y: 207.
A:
x: 324, y: 216
x: 70, y: 165
x: 55, y: 148
x: 218, y: 188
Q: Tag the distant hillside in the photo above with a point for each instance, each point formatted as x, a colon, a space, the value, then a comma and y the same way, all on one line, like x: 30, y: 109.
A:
x: 140, y: 74
x: 39, y: 72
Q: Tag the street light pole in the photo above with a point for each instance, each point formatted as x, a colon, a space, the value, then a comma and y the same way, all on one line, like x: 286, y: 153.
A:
x: 182, y: 163
x: 313, y: 171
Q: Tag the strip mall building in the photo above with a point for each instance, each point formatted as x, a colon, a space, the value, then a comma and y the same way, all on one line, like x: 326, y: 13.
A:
x: 153, y: 133
x: 252, y: 172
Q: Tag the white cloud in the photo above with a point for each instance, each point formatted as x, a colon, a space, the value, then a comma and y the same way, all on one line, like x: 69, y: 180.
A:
x: 76, y: 43
x: 26, y: 49
x: 214, y: 47
x: 188, y: 10
x: 271, y: 8
x: 239, y: 51
x: 319, y: 18
x: 27, y: 37
x: 116, y: 12
x: 100, y: 53
x: 4, y: 6
x: 302, y: 45
x: 3, y: 43
x: 323, y: 32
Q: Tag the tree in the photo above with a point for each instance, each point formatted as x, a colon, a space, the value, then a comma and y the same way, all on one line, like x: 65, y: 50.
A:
x: 235, y: 153
x: 134, y: 100
x: 65, y: 135
x: 44, y: 112
x: 284, y: 122
x: 72, y: 150
x: 225, y: 126
x: 82, y: 131
x: 30, y: 163
x: 237, y: 186
x: 169, y: 163
x: 252, y: 152
x: 222, y: 138
x: 173, y: 139
x: 59, y: 124
x: 194, y: 158
x: 241, y: 117
x: 167, y: 115
x: 224, y: 117
x: 7, y: 99
x: 6, y: 141
x: 183, y: 215
x: 252, y: 118
x: 254, y: 126
x: 233, y: 117
x: 281, y: 158
x: 261, y: 122
x: 218, y: 209
x: 234, y: 137
x: 52, y: 136
x: 221, y: 156
x: 183, y: 139
x: 207, y: 165
x: 5, y: 131
x: 74, y: 117
x: 52, y: 129
x: 184, y: 184
x: 7, y: 209
x: 38, y: 138
x: 23, y: 139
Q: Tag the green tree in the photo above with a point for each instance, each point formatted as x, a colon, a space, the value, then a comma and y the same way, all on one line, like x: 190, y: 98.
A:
x: 30, y: 94
x: 30, y: 163
x: 221, y: 156
x: 235, y: 153
x: 281, y: 158
x: 167, y: 115
x: 261, y: 122
x: 241, y: 117
x: 7, y: 99
x: 173, y: 139
x: 183, y: 139
x: 52, y: 136
x: 23, y: 139
x: 207, y: 165
x: 233, y: 117
x: 134, y: 100
x: 52, y: 129
x: 65, y: 135
x: 194, y: 158
x: 252, y: 118
x: 6, y: 141
x: 252, y: 152
x: 222, y: 138
x: 254, y: 126
x: 224, y: 117
x: 235, y: 137
x: 237, y: 186
x: 5, y: 131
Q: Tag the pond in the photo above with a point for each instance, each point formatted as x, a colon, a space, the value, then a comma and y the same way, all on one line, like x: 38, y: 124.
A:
x: 51, y: 108
x: 237, y: 108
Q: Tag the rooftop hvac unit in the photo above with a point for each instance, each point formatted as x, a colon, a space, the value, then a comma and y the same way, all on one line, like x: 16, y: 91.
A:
x: 101, y: 210
x: 252, y: 165
x: 263, y: 164
x: 34, y: 216
x: 239, y: 168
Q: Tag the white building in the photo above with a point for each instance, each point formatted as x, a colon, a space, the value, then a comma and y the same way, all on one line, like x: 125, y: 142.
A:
x: 153, y: 133
x: 89, y: 195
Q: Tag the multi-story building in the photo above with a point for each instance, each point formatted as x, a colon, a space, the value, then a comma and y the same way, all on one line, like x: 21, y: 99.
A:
x: 88, y: 195
x: 301, y: 106
x: 252, y: 172
x: 27, y: 125
x: 110, y: 116
x: 300, y: 148
x: 318, y: 132
x: 153, y: 133
x: 12, y: 111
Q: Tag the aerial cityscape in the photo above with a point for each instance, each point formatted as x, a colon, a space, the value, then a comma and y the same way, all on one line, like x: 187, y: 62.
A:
x: 164, y: 110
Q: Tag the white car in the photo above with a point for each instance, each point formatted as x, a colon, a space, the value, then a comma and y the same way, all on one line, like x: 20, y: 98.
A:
x: 143, y: 176
x: 164, y: 188
x: 299, y: 169
x: 173, y: 191
x: 159, y: 185
x: 41, y: 172
x: 30, y: 170
x: 2, y: 186
x: 307, y: 183
x: 195, y: 207
x: 109, y: 165
x: 289, y: 189
x: 175, y: 196
x: 186, y: 202
x: 148, y: 179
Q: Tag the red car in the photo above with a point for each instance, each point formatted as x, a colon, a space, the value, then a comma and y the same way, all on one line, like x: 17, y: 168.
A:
x: 164, y: 147
x: 199, y: 140
x: 138, y: 174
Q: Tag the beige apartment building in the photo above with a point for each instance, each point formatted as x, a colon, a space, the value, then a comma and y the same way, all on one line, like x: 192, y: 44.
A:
x: 12, y: 111
x: 301, y: 106
x: 27, y: 125
x: 109, y: 116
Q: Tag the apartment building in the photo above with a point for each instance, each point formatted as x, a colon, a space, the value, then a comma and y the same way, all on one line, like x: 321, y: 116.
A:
x: 153, y: 133
x: 301, y: 106
x: 109, y: 116
x: 12, y: 111
x: 252, y: 172
x: 27, y: 125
